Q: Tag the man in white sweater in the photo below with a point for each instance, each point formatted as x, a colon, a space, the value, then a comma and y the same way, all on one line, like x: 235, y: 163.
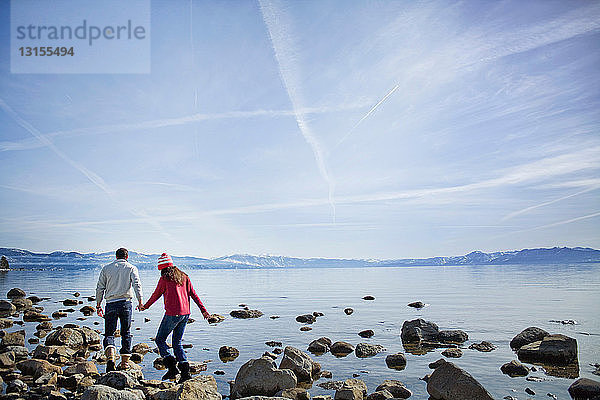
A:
x: 115, y: 284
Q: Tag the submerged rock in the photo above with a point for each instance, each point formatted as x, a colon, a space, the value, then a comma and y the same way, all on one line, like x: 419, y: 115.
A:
x: 483, y: 346
x: 529, y: 335
x: 452, y: 353
x: 245, y: 314
x: 449, y: 382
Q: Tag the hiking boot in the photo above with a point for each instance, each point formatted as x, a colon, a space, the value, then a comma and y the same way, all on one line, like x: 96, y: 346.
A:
x: 124, y: 365
x: 184, y: 366
x: 171, y: 364
x: 110, y: 353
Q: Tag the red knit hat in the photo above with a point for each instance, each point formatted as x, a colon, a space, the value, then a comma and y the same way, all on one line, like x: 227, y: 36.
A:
x: 164, y: 261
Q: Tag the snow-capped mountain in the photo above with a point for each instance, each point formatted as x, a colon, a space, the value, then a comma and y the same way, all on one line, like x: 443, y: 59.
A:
x: 18, y: 258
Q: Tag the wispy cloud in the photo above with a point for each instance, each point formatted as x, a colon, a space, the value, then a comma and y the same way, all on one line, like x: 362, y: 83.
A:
x: 33, y: 143
x: 285, y: 51
x: 90, y: 175
x: 547, y: 203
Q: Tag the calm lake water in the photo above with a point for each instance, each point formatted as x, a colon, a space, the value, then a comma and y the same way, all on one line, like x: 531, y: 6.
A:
x: 491, y: 303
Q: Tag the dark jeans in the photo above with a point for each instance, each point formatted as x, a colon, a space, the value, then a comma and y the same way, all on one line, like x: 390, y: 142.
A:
x: 118, y: 310
x: 175, y: 324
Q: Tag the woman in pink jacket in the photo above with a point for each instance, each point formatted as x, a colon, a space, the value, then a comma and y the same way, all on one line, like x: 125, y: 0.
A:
x: 176, y: 288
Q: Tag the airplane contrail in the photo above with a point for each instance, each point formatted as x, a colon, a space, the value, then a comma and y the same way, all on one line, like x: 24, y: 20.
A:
x: 90, y: 175
x: 283, y: 47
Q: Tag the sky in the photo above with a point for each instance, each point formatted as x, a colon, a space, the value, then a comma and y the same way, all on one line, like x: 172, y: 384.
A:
x: 385, y: 129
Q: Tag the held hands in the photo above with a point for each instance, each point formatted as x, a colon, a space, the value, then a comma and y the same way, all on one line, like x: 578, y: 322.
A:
x: 99, y: 311
x: 140, y: 306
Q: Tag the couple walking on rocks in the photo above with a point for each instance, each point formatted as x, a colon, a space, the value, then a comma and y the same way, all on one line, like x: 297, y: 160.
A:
x: 117, y: 282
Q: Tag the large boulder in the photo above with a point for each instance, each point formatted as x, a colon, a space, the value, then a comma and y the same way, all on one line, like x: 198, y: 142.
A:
x: 90, y: 336
x: 300, y: 363
x: 202, y: 387
x: 584, y: 388
x: 419, y: 330
x: 37, y: 368
x: 352, y: 389
x: 529, y: 335
x: 364, y: 350
x: 55, y: 354
x: 85, y: 368
x: 552, y: 349
x: 73, y: 338
x: 449, y: 382
x: 20, y: 352
x: 260, y: 377
x: 396, y: 388
x: 294, y: 394
x: 101, y: 392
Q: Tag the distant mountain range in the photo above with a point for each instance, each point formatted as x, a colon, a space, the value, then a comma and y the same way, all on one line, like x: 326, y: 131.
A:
x: 72, y: 260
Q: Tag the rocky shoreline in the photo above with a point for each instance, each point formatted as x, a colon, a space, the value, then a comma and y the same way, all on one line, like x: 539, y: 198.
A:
x: 67, y: 362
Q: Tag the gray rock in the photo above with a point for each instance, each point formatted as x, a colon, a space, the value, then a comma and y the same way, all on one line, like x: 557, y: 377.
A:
x: 294, y: 394
x: 119, y: 379
x: 341, y: 349
x: 364, y: 350
x: 529, y: 335
x: 396, y: 361
x: 85, y: 368
x: 396, y: 388
x: 552, y: 349
x: 300, y: 363
x: 16, y: 386
x: 320, y: 345
x: 452, y: 336
x: 514, y: 369
x: 260, y: 377
x: 101, y: 392
x: 200, y: 388
x: 418, y: 330
x: 584, y: 388
x: 73, y: 338
x: 449, y: 382
x: 380, y: 395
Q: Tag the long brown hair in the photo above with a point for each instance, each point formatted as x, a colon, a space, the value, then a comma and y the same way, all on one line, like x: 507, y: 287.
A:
x: 174, y: 274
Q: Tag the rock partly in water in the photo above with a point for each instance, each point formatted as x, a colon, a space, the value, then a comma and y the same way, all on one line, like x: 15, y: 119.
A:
x: 319, y: 346
x: 552, y: 349
x: 69, y: 337
x: 245, y: 314
x: 396, y: 388
x: 584, y: 388
x: 367, y: 333
x: 396, y: 361
x: 529, y: 335
x: 452, y: 353
x: 37, y: 368
x: 418, y: 330
x: 514, y: 369
x: 352, y: 389
x: 483, y: 346
x: 416, y: 304
x: 15, y: 293
x: 364, y: 350
x: 228, y: 353
x: 294, y: 394
x: 341, y: 349
x: 6, y: 308
x: 449, y: 382
x: 453, y: 336
x: 348, y: 310
x: 306, y: 319
x: 261, y: 377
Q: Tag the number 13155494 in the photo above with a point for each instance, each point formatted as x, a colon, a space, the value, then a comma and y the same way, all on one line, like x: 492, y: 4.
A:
x: 46, y: 51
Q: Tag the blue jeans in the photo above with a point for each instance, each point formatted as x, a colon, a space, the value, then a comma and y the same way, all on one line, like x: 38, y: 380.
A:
x: 175, y: 324
x: 118, y: 310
